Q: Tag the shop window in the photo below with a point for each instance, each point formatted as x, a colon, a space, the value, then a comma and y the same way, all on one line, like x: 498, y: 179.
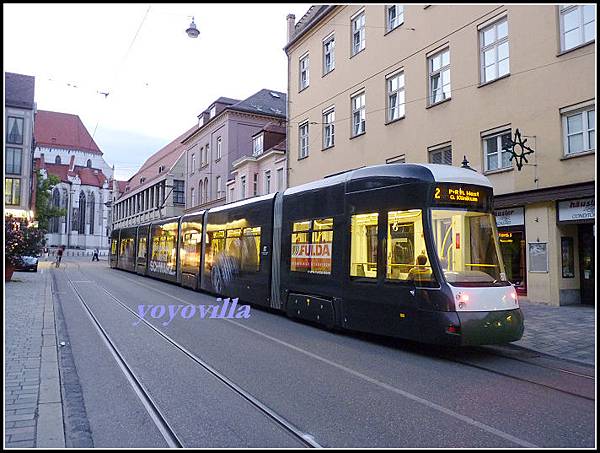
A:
x: 363, y: 245
x: 407, y: 258
x: 568, y: 257
x: 312, y: 245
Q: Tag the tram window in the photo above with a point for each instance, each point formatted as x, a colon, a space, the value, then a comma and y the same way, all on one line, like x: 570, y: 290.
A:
x: 142, y: 248
x: 164, y: 248
x: 251, y: 250
x: 407, y: 258
x: 233, y: 244
x: 113, y: 247
x: 312, y: 245
x: 215, y: 245
x: 363, y: 248
x: 191, y: 244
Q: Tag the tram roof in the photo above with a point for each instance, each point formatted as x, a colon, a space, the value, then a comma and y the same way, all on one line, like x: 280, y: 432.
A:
x: 430, y: 173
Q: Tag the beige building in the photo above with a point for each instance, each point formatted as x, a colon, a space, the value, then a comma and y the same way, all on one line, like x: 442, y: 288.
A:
x: 434, y: 83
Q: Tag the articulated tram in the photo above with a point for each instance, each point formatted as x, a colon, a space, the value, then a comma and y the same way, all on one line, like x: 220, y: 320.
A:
x: 402, y: 250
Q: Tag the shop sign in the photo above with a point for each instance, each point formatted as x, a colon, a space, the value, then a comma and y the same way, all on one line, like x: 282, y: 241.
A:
x: 510, y: 217
x: 573, y: 210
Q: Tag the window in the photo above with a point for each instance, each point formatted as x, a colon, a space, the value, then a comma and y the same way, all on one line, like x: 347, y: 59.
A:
x: 200, y: 191
x: 207, y: 151
x: 178, y: 193
x: 328, y: 55
x: 250, y: 252
x: 407, y: 258
x: 303, y: 139
x: 304, y: 72
x: 89, y: 163
x: 267, y: 182
x: 395, y: 16
x: 579, y: 131
x: 494, y: 156
x: 57, y: 160
x: 82, y: 203
x: 257, y: 145
x: 358, y: 33
x: 231, y: 194
x: 280, y: 179
x: 201, y: 120
x: 363, y: 247
x: 14, y: 130
x: 193, y: 162
x: 13, y: 160
x: 439, y: 76
x: 193, y: 196
x: 213, y: 111
x: 312, y: 244
x: 92, y: 212
x: 395, y: 96
x: 328, y: 128
x: 219, y: 148
x: 358, y: 114
x: 441, y: 155
x: 255, y: 185
x: 202, y: 156
x: 12, y: 191
x: 219, y: 187
x: 243, y: 182
x: 206, y: 190
x: 494, y: 50
x: 577, y: 25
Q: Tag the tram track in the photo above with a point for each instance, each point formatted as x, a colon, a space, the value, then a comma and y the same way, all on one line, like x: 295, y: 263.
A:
x: 152, y: 408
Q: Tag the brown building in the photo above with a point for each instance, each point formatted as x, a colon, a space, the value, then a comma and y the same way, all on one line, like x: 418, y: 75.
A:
x: 434, y: 83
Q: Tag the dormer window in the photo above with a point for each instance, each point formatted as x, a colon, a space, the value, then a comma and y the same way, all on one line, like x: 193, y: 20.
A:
x: 213, y: 111
x: 201, y: 121
x: 57, y: 160
x: 142, y: 180
x: 161, y: 169
x: 257, y: 145
x: 89, y: 163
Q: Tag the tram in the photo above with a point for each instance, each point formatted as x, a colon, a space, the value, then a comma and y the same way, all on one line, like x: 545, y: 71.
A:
x: 402, y: 250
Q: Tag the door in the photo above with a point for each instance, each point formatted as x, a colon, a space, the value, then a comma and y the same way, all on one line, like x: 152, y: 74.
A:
x: 587, y: 263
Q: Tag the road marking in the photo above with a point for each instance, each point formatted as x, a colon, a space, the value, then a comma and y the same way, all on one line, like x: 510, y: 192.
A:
x: 430, y: 404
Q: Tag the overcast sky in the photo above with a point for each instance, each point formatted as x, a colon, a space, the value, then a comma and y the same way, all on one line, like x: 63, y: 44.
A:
x: 157, y: 78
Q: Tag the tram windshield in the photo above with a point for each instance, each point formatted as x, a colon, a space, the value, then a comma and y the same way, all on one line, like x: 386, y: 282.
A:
x: 467, y: 247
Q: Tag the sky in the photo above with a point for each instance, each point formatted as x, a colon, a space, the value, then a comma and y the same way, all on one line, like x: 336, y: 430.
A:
x: 157, y: 78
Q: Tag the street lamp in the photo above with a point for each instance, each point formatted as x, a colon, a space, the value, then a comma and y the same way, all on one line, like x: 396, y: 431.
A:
x: 192, y: 31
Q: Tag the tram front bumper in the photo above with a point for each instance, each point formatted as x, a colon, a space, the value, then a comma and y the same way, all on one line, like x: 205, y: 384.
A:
x: 490, y: 327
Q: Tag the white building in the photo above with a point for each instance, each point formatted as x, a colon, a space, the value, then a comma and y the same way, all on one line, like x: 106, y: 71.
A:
x: 64, y: 148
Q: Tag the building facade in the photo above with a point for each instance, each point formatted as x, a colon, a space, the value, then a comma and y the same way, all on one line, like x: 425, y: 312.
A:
x: 19, y: 116
x: 264, y: 170
x: 157, y: 190
x: 223, y: 136
x: 65, y: 149
x: 435, y: 83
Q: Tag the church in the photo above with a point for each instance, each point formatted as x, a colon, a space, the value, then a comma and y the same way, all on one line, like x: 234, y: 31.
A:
x: 64, y: 148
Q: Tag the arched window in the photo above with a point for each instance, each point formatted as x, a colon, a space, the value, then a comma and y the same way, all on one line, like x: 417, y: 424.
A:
x: 57, y: 160
x: 200, y: 192
x: 206, y: 189
x: 55, y: 202
x: 82, y: 206
x: 92, y: 212
x: 89, y: 163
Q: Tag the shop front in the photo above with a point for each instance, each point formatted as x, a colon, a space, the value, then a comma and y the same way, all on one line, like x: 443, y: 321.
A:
x: 511, y: 229
x: 576, y: 224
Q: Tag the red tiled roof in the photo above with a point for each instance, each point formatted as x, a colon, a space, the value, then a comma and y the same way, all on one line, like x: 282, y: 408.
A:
x: 88, y: 176
x: 122, y: 185
x: 63, y: 130
x: 166, y: 156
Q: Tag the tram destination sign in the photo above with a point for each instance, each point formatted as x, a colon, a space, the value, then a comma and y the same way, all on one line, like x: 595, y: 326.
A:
x: 462, y: 195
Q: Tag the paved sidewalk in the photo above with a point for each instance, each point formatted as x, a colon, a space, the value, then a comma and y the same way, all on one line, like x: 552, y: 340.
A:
x: 568, y: 332
x: 33, y: 405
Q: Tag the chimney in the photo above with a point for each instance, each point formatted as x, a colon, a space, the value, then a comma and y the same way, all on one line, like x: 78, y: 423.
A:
x: 290, y: 26
x: 72, y: 163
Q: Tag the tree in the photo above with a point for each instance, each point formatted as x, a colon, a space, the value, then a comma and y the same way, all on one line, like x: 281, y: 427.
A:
x: 44, y: 209
x: 21, y: 239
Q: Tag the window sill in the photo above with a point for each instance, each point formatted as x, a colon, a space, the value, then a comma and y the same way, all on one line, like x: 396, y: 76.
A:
x: 438, y: 103
x: 396, y: 120
x: 357, y: 53
x: 580, y: 46
x: 303, y: 157
x: 498, y: 171
x: 590, y: 152
x: 328, y: 72
x: 327, y: 148
x: 217, y: 160
x: 358, y: 135
x: 392, y: 29
x: 303, y: 89
x: 481, y: 85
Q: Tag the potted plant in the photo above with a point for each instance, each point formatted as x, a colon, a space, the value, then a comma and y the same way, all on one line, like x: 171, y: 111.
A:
x: 21, y: 240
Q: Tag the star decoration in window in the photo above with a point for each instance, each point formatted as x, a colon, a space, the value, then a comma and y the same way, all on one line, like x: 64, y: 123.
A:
x: 518, y: 156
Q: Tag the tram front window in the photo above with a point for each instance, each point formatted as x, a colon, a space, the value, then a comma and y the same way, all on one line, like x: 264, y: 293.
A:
x: 467, y: 247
